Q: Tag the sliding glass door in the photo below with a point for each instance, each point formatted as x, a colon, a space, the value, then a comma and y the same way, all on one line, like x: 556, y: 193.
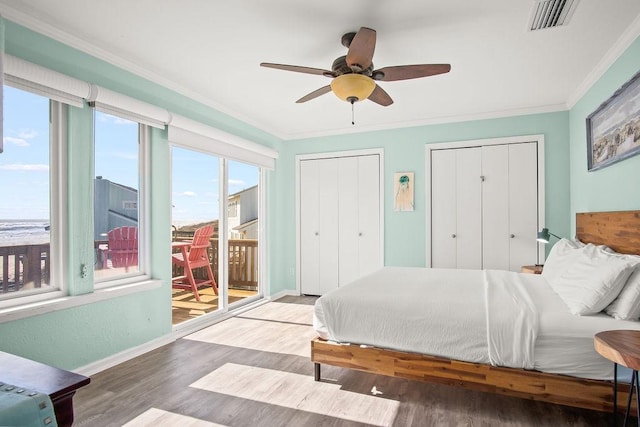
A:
x: 243, y: 225
x: 222, y: 197
x: 195, y: 202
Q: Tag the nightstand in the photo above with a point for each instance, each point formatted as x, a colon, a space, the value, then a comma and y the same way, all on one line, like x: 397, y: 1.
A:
x: 622, y: 347
x: 532, y: 269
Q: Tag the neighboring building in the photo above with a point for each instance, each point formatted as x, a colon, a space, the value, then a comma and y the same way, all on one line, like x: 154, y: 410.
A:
x: 116, y: 205
x: 243, y: 214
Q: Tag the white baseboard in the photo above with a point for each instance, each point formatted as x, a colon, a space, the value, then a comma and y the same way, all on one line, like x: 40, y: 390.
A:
x: 284, y: 293
x: 177, y: 333
x: 113, y: 360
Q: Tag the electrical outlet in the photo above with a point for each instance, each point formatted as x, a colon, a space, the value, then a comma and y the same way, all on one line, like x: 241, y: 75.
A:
x: 292, y: 271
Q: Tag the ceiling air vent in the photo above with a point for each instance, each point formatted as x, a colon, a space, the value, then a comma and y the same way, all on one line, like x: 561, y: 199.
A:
x: 551, y: 13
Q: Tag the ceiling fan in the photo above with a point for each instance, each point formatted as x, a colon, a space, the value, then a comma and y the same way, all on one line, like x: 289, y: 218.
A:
x: 354, y: 78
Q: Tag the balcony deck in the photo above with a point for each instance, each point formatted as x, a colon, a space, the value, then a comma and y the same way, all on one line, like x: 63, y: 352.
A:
x: 24, y: 267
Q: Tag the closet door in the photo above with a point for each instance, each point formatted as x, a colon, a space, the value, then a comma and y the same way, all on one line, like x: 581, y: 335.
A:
x: 443, y: 209
x: 510, y: 206
x: 348, y: 219
x: 369, y: 203
x: 523, y: 204
x: 359, y: 216
x: 456, y: 192
x: 328, y: 215
x: 495, y: 207
x: 318, y: 226
x: 469, y: 208
x: 309, y: 227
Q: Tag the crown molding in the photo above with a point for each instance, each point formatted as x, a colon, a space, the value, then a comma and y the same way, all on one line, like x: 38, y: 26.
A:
x: 618, y: 48
x: 431, y: 121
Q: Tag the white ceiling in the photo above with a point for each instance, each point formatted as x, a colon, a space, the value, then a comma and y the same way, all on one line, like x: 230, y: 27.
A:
x: 211, y: 50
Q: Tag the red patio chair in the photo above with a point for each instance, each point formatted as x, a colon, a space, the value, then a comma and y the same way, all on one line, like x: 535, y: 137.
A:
x: 123, y: 247
x: 195, y: 255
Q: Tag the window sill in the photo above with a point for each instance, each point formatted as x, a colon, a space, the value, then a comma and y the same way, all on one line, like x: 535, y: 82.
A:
x: 60, y: 303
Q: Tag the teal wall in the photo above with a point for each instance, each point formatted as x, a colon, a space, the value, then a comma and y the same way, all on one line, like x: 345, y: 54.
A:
x: 615, y: 187
x: 404, y: 150
x: 75, y: 337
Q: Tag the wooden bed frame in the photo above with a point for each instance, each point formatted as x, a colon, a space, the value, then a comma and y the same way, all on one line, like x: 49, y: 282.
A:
x: 618, y: 230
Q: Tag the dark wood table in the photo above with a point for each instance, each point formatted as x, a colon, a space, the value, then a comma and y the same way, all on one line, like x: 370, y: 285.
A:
x: 622, y: 347
x: 58, y: 384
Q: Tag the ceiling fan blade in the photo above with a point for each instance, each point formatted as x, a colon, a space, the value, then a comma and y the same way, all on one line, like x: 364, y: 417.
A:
x: 406, y: 72
x: 298, y: 69
x: 361, y: 48
x: 316, y: 93
x: 379, y: 96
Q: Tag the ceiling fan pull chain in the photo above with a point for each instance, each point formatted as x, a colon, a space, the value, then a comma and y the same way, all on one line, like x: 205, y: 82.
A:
x: 353, y: 120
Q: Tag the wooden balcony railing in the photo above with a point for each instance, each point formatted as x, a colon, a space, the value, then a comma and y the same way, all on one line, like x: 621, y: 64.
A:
x: 24, y: 267
x: 243, y: 262
x: 27, y: 266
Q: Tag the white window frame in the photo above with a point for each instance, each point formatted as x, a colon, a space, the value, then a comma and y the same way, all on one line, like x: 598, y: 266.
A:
x: 144, y: 220
x: 57, y: 211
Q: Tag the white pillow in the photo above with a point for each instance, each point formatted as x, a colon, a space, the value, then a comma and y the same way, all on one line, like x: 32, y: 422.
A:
x: 592, y: 280
x: 627, y: 305
x: 561, y: 256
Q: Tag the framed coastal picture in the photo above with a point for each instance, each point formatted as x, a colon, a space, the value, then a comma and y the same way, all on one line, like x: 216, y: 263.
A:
x: 613, y: 129
x: 403, y: 191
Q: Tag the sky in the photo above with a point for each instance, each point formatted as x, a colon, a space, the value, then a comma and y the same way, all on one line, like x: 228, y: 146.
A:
x: 24, y: 164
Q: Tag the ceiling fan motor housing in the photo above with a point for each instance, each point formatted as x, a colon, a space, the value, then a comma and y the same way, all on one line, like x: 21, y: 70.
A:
x: 341, y: 67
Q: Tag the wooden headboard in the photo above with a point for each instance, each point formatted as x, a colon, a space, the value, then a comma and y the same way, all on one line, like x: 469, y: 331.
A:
x: 618, y: 230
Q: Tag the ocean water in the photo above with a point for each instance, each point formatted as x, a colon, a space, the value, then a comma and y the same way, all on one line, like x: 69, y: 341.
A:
x: 23, y: 232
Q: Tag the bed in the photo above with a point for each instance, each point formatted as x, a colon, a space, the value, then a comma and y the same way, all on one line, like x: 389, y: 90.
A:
x: 514, y: 349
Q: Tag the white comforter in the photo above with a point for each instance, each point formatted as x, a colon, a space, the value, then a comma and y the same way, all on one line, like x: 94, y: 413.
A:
x: 472, y: 315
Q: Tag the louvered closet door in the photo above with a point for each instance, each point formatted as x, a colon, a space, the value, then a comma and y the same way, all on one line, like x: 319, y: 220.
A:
x: 523, y: 204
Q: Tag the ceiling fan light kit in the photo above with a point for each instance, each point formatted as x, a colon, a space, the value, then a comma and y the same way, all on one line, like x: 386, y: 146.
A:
x: 352, y: 87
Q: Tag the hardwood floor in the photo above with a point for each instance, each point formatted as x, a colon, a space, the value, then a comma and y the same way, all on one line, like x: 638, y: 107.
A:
x: 254, y: 370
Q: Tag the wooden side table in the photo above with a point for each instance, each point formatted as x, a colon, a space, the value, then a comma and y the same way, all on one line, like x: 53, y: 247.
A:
x: 532, y: 269
x: 622, y: 347
x: 58, y: 384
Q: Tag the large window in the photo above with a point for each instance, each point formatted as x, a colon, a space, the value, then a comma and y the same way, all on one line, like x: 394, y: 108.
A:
x: 117, y: 231
x: 25, y: 212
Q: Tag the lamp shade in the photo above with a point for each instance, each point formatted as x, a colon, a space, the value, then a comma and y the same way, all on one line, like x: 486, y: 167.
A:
x: 352, y: 87
x: 543, y: 235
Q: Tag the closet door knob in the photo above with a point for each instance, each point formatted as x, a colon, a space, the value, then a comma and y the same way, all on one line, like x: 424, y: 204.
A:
x: 316, y: 233
x: 513, y: 235
x: 359, y: 234
x: 453, y: 235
